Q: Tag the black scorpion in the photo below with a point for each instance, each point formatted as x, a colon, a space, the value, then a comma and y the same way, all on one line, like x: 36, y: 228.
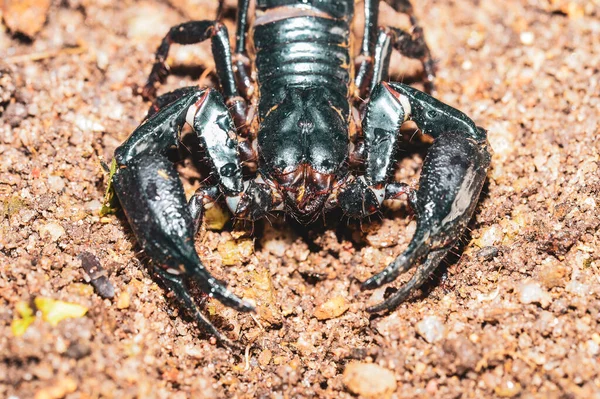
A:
x: 294, y: 106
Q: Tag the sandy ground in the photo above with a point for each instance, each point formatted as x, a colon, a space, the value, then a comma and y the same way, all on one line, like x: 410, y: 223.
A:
x: 513, y: 313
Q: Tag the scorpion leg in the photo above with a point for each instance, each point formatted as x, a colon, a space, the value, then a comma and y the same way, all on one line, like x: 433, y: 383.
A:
x: 152, y: 195
x: 241, y: 60
x: 364, y: 74
x: 376, y: 50
x: 453, y: 174
x: 195, y: 32
x: 413, y: 44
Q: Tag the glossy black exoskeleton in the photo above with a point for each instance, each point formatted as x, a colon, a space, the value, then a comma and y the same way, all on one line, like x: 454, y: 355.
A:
x: 301, y: 74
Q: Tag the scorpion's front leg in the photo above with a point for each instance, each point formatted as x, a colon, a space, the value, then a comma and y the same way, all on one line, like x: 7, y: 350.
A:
x: 153, y: 199
x: 453, y: 174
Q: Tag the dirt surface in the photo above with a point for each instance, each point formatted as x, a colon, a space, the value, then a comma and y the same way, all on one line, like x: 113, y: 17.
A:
x: 515, y: 313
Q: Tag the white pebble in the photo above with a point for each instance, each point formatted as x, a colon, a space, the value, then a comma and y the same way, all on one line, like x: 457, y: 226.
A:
x: 577, y: 288
x: 93, y: 206
x: 431, y: 328
x: 52, y: 230
x: 531, y: 292
x: 527, y: 38
x: 56, y: 183
x: 88, y: 125
x: 592, y: 347
x: 276, y: 246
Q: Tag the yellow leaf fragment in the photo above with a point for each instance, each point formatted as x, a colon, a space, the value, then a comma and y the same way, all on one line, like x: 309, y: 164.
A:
x: 110, y: 202
x: 262, y: 292
x: 215, y: 217
x: 235, y: 251
x: 54, y: 311
x: 26, y: 317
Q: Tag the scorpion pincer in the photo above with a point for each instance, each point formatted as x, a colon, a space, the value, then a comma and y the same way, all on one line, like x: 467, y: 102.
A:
x: 287, y: 105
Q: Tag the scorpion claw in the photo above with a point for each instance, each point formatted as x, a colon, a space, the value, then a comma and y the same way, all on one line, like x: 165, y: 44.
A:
x: 453, y: 174
x: 431, y: 263
x: 153, y: 199
x: 416, y: 250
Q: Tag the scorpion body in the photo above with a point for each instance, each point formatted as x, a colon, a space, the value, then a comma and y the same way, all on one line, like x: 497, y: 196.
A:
x: 322, y: 131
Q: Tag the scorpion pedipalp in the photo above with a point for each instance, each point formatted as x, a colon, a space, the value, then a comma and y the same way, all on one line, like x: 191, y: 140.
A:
x: 452, y: 177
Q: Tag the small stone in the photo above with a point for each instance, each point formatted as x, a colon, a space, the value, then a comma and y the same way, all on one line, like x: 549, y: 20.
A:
x: 97, y: 275
x: 56, y: 183
x: 334, y: 307
x: 552, y: 273
x: 531, y: 292
x: 58, y: 389
x: 431, y: 328
x: 78, y: 350
x: 527, y: 38
x: 461, y: 354
x: 123, y: 300
x: 276, y: 246
x: 88, y: 125
x: 93, y: 206
x: 265, y: 357
x: 577, y: 288
x: 491, y: 236
x: 262, y: 293
x: 26, y: 16
x: 369, y: 380
x: 52, y: 230
x: 508, y: 389
x: 592, y: 347
x: 487, y: 253
x: 14, y: 114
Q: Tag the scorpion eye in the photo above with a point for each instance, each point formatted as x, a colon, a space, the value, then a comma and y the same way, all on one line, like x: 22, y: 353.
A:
x: 280, y: 164
x: 327, y: 164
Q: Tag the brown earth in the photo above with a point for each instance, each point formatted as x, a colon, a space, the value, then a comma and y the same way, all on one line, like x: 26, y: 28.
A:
x: 514, y: 313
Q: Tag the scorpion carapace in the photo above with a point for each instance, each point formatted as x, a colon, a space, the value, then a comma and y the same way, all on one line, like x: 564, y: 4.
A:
x: 298, y: 82
x: 303, y: 149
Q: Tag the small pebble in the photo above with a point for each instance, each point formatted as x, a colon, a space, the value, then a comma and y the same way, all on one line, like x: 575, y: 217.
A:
x: 369, y: 380
x: 431, y: 328
x: 97, y: 275
x: 592, y: 347
x: 86, y: 124
x: 26, y: 16
x: 527, y: 38
x: 234, y: 251
x: 14, y: 114
x: 531, y: 292
x: 78, y: 350
x: 276, y: 246
x: 334, y: 307
x: 508, y: 389
x: 56, y: 183
x: 577, y: 288
x: 52, y: 230
x: 59, y: 389
x: 487, y: 253
x: 552, y: 273
x: 123, y: 300
x: 265, y: 357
